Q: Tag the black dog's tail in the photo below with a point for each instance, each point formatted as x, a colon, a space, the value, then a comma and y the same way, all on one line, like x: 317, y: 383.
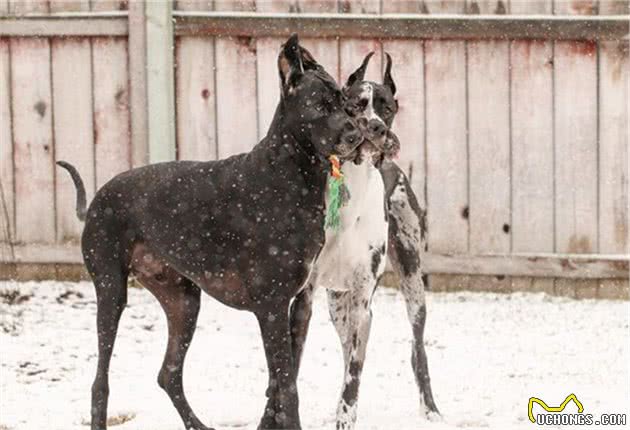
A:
x: 78, y: 184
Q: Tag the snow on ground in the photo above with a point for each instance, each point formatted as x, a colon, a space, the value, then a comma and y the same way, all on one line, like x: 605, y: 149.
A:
x: 487, y: 354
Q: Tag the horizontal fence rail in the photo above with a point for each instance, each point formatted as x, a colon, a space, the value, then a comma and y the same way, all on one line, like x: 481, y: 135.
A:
x: 389, y: 26
x: 66, y: 24
x: 574, y: 266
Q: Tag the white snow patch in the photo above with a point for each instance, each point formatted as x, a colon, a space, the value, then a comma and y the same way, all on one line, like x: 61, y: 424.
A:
x: 487, y: 353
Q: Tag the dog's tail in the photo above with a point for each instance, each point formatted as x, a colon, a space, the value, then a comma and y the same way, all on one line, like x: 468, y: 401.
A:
x: 78, y: 184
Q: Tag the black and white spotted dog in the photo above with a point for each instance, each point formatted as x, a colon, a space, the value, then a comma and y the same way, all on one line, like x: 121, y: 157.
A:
x: 381, y: 215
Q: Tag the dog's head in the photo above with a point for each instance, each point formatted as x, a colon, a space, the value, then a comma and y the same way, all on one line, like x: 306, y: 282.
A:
x: 313, y: 104
x: 374, y: 106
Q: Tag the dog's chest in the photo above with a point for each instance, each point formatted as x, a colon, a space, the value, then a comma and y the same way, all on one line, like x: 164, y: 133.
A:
x: 354, y: 253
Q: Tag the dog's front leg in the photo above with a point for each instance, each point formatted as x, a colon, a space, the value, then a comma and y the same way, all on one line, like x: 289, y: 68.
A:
x: 352, y: 317
x: 282, y: 407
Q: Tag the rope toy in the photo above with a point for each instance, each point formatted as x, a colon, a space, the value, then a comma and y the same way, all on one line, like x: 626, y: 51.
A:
x: 337, y: 194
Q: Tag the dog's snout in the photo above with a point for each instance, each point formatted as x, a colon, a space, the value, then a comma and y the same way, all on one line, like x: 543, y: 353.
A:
x: 376, y: 128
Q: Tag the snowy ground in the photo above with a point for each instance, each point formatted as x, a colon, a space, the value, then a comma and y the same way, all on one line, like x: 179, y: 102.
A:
x: 487, y: 353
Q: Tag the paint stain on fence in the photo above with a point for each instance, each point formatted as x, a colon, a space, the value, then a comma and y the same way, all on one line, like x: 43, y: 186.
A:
x: 588, y: 48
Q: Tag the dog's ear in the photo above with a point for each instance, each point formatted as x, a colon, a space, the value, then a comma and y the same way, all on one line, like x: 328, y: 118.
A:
x: 308, y: 61
x: 358, y: 74
x: 388, y: 81
x: 290, y: 65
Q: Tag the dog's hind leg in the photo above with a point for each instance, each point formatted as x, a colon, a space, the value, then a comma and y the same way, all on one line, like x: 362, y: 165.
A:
x: 282, y: 409
x: 111, y: 298
x: 180, y: 299
x: 413, y: 291
x: 352, y: 317
x: 301, y: 312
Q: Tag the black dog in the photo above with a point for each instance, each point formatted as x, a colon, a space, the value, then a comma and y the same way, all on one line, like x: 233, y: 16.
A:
x: 245, y: 230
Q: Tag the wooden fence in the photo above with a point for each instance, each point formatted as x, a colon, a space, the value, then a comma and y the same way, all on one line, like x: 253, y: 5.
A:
x: 513, y: 118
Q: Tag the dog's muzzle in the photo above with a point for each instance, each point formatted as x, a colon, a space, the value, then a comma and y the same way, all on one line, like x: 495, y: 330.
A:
x: 351, y: 138
x: 381, y: 137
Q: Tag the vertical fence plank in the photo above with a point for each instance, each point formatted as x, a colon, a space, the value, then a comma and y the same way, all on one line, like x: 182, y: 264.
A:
x: 352, y: 51
x: 408, y: 73
x: 325, y: 51
x: 196, y: 94
x: 489, y: 152
x: 4, y: 7
x: 444, y: 6
x: 614, y: 72
x: 447, y: 179
x: 7, y: 199
x: 73, y: 127
x: 575, y: 130
x: 33, y: 141
x: 267, y: 49
x: 21, y: 7
x: 237, y: 116
x: 72, y: 107
x: 489, y: 147
x: 111, y: 108
x: 532, y: 146
x: 138, y: 94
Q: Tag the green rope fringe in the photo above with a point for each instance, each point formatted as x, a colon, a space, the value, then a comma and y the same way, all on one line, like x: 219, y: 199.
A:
x: 333, y: 218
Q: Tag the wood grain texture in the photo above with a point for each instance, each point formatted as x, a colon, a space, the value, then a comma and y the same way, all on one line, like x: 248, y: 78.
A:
x: 236, y: 88
x: 532, y: 153
x: 267, y: 50
x: 73, y: 127
x: 613, y: 149
x: 33, y: 140
x: 109, y: 5
x: 196, y: 99
x: 489, y: 152
x: 111, y: 108
x: 325, y: 50
x: 575, y: 130
x: 195, y: 93
x: 408, y: 73
x: 7, y: 197
x: 531, y: 7
x: 21, y: 7
x: 447, y: 176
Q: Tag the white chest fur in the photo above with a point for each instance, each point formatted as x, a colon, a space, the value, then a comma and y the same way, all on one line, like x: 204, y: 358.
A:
x: 348, y: 256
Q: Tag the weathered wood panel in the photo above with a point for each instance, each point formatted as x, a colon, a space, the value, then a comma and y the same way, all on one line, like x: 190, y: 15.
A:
x: 408, y: 74
x: 7, y: 198
x: 267, y: 49
x: 325, y: 50
x: 489, y: 152
x: 73, y: 127
x: 237, y: 116
x: 613, y: 148
x: 111, y: 108
x: 72, y: 122
x: 532, y: 152
x: 21, y: 7
x: 109, y: 5
x: 352, y: 51
x: 447, y: 152
x: 33, y: 140
x: 196, y: 94
x: 489, y: 147
x: 575, y: 130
